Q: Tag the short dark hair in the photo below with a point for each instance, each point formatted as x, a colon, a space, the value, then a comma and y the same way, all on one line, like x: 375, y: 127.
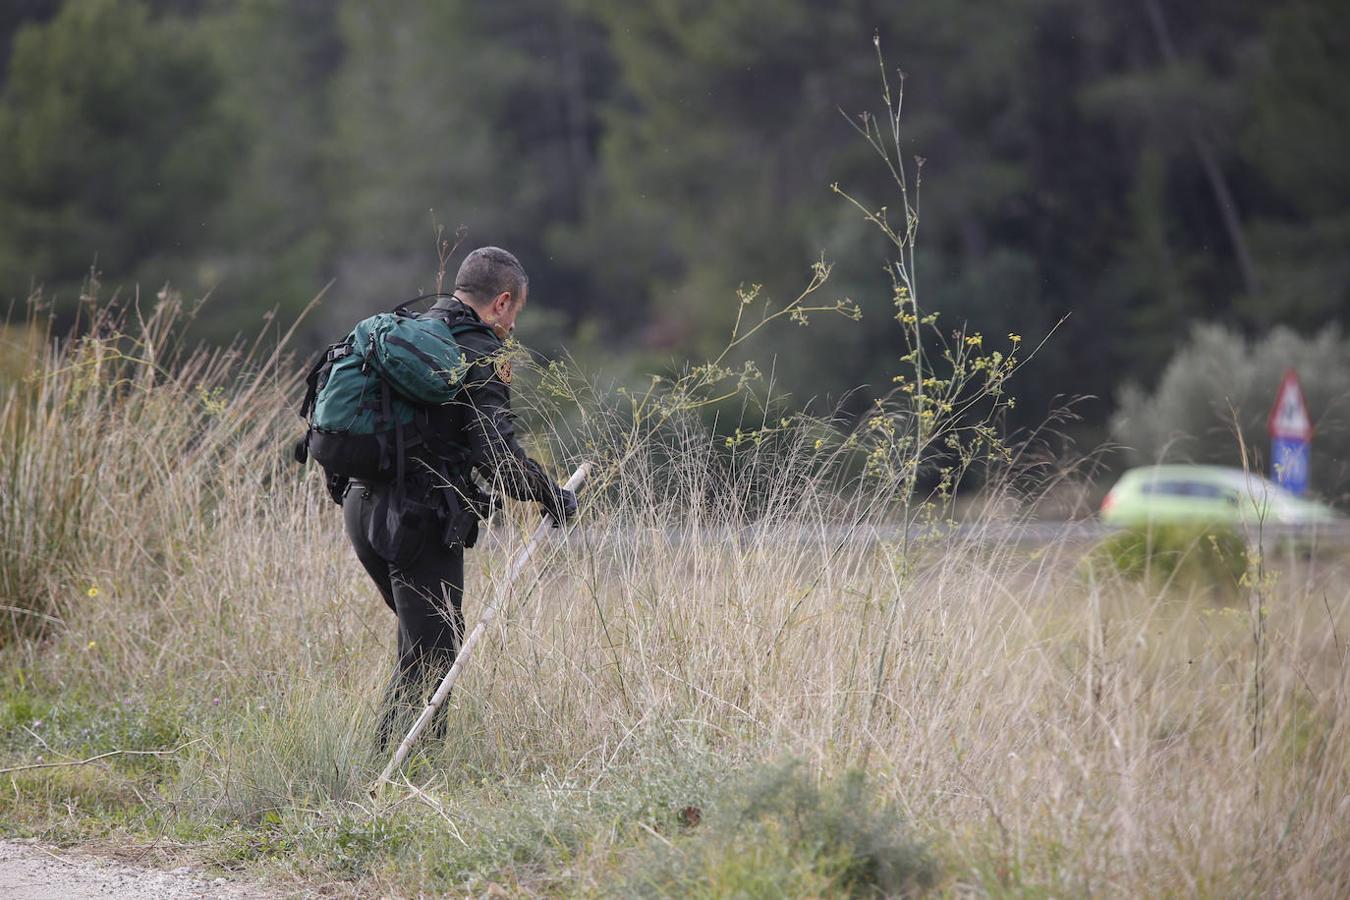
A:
x: 489, y: 272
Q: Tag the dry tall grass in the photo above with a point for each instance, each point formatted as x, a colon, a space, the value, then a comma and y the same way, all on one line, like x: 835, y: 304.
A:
x: 1044, y: 733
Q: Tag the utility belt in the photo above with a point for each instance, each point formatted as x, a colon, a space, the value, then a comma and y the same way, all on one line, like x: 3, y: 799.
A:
x: 439, y: 503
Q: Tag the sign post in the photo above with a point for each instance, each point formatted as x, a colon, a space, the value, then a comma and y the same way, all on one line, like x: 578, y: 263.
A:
x: 1291, y: 433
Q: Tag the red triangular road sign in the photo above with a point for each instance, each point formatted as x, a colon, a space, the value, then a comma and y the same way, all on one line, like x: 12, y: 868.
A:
x: 1289, y: 416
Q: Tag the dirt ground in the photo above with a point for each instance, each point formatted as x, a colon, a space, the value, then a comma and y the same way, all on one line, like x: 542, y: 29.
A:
x: 33, y: 871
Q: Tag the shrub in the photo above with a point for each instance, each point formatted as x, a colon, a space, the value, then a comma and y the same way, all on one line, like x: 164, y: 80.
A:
x: 301, y: 745
x: 1192, y: 555
x: 1218, y: 372
x: 780, y: 833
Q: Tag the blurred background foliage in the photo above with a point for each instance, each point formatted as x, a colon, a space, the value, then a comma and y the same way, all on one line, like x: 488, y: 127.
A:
x: 1138, y: 168
x: 1218, y: 384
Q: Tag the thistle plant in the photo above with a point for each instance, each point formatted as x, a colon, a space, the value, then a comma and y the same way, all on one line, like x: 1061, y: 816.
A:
x: 942, y: 414
x: 939, y: 420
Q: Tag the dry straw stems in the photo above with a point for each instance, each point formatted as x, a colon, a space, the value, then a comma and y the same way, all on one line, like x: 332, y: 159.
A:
x: 1040, y: 729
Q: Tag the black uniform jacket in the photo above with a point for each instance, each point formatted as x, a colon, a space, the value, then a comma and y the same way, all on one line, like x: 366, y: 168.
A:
x: 478, y: 424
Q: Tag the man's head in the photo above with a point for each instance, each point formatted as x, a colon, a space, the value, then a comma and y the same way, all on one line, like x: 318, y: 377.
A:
x: 494, y: 283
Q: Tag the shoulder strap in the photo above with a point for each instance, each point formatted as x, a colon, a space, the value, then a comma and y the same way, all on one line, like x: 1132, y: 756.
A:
x: 462, y: 327
x: 402, y: 308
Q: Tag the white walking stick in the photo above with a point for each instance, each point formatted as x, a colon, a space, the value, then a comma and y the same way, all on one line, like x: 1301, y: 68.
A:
x: 489, y: 614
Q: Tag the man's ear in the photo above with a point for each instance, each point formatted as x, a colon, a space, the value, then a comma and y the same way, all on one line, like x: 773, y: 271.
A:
x: 503, y: 302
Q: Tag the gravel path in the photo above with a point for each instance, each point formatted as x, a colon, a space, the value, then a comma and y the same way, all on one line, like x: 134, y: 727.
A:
x: 32, y: 871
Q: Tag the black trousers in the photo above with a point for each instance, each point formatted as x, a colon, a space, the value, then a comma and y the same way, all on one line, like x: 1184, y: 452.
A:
x: 425, y: 589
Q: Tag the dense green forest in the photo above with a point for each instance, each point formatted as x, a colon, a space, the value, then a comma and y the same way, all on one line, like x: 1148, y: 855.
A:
x: 1136, y: 167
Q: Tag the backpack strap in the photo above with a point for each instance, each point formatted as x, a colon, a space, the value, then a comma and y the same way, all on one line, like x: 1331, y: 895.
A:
x: 468, y: 324
x: 462, y: 327
x: 385, y: 416
x: 334, y: 353
x: 402, y: 308
x: 312, y: 386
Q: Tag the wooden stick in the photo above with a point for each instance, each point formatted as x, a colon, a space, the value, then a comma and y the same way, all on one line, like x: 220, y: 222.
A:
x: 517, y: 565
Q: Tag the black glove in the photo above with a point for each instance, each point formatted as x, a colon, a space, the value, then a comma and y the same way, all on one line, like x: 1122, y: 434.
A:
x: 563, y: 509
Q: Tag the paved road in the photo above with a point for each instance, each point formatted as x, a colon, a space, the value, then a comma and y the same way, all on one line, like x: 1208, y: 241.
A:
x: 1030, y: 534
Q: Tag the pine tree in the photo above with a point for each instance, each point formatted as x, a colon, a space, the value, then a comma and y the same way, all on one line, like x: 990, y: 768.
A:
x: 112, y: 146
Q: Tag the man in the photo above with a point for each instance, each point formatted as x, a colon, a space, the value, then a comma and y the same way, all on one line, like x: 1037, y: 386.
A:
x: 410, y: 535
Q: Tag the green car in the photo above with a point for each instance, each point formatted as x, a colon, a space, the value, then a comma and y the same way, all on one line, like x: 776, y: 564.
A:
x: 1184, y: 493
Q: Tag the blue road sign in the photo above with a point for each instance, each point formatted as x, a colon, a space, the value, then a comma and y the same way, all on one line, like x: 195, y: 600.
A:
x: 1289, y: 463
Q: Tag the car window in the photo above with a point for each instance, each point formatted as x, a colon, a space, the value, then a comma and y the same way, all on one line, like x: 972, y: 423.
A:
x: 1260, y: 490
x: 1164, y: 488
x: 1199, y: 489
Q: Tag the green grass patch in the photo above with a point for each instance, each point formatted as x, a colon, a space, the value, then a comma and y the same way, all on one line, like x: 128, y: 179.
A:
x: 39, y: 722
x: 1185, y: 555
x: 781, y: 831
x: 46, y: 739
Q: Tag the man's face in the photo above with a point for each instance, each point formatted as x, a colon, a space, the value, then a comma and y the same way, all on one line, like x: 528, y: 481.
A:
x: 503, y: 312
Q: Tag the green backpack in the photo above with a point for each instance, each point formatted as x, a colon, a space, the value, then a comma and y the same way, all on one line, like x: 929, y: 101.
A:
x: 367, y: 397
